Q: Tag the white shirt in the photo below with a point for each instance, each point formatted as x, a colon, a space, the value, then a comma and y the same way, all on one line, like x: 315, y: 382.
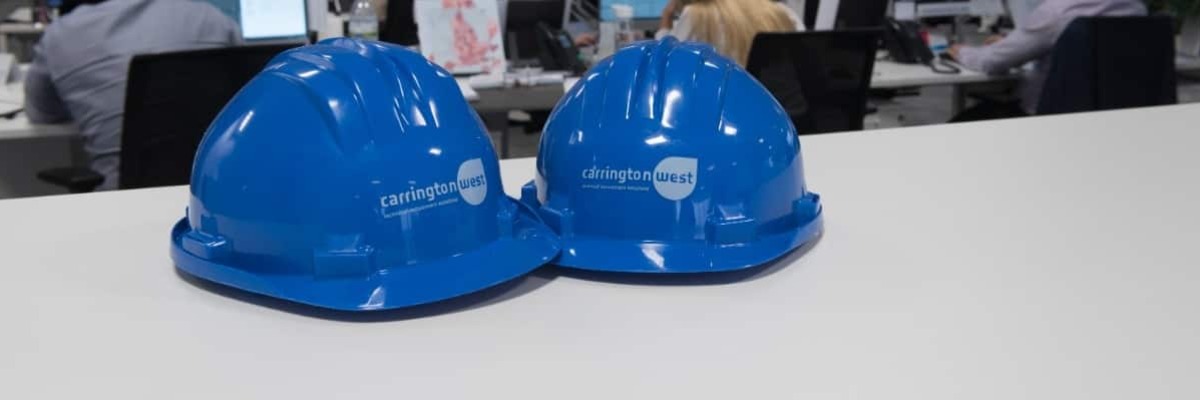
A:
x: 1035, y: 41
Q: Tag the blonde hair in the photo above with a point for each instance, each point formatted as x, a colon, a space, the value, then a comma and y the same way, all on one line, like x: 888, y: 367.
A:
x: 730, y: 25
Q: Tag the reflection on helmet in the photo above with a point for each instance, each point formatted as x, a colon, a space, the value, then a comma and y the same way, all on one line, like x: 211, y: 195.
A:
x: 353, y: 175
x: 668, y: 157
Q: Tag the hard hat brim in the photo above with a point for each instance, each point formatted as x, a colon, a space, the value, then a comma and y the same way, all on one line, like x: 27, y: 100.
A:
x: 531, y: 246
x: 608, y: 255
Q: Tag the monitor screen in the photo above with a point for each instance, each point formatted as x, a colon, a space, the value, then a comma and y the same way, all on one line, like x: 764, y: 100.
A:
x: 642, y: 9
x: 267, y: 19
x: 861, y: 13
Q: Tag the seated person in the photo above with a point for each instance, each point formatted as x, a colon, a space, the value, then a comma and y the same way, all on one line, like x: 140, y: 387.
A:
x: 728, y: 25
x: 1034, y: 42
x: 82, y: 61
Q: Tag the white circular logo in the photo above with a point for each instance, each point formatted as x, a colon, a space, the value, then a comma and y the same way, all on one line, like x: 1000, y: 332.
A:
x: 472, y: 183
x: 675, y: 177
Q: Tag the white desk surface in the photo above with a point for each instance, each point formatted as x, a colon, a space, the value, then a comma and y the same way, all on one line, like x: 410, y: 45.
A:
x: 20, y: 28
x: 1040, y: 258
x: 12, y: 97
x: 20, y: 128
x: 892, y: 75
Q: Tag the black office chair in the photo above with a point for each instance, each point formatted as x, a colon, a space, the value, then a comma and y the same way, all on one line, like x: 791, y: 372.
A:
x: 170, y: 99
x: 820, y: 78
x: 401, y: 25
x: 1105, y: 63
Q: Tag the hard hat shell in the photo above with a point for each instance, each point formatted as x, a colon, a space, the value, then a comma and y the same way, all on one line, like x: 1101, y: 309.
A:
x: 353, y: 175
x: 666, y: 158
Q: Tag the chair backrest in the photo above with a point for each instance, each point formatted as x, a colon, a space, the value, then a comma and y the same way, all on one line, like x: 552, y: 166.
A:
x: 401, y: 26
x: 820, y: 78
x: 1105, y: 63
x: 170, y: 99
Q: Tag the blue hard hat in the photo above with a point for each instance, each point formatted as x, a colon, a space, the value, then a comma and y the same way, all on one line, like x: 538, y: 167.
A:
x: 353, y: 175
x: 668, y: 157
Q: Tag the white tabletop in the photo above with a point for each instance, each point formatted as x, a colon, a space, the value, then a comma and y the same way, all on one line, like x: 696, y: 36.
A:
x: 1041, y: 258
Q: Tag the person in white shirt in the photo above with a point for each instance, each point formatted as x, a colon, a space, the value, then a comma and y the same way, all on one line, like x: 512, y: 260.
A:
x: 1034, y: 41
x: 728, y: 25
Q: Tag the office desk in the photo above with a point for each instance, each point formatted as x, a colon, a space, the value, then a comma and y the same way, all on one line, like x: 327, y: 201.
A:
x: 493, y: 106
x: 1046, y: 257
x: 8, y: 29
x: 892, y: 75
x: 541, y: 97
x: 27, y: 148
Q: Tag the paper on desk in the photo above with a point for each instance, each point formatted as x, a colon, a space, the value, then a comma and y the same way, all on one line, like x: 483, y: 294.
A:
x: 6, y: 108
x: 487, y: 81
x: 13, y: 94
x: 467, y: 91
x: 7, y: 64
x: 569, y: 83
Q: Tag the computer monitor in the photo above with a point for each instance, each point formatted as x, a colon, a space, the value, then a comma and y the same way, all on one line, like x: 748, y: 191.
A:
x: 521, y: 20
x: 268, y: 20
x: 942, y: 8
x: 642, y: 9
x: 860, y: 14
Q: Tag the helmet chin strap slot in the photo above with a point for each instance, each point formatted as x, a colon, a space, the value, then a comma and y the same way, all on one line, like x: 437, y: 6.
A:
x: 560, y: 220
x: 730, y: 225
x: 807, y: 208
x: 205, y: 245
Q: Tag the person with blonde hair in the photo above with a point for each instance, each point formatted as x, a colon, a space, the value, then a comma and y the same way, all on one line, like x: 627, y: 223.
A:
x: 728, y: 25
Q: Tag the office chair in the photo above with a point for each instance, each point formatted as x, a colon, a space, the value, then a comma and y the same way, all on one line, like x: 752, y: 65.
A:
x: 401, y: 26
x: 820, y: 78
x: 170, y: 99
x: 1105, y: 63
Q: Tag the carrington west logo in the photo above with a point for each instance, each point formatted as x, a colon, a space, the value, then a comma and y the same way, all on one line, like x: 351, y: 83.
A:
x: 471, y: 186
x: 674, y: 178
